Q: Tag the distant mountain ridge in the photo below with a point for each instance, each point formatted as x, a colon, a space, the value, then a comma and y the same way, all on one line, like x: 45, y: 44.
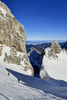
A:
x: 42, y: 41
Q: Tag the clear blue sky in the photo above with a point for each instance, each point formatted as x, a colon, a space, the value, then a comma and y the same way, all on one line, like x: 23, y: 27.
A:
x: 42, y: 19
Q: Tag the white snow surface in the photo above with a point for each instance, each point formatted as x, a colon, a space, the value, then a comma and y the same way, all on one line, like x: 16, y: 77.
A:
x: 3, y: 10
x: 15, y: 67
x: 29, y: 88
x: 56, y: 68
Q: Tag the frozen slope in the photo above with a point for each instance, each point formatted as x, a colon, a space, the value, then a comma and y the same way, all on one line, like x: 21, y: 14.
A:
x: 16, y: 67
x: 56, y: 67
x: 29, y: 88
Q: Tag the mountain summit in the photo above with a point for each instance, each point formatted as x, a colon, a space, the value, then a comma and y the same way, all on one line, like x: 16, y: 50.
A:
x: 12, y: 40
x: 55, y: 47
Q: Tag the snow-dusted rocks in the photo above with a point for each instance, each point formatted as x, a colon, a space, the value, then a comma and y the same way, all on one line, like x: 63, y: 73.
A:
x: 53, y: 50
x: 15, y: 60
x: 12, y: 35
x: 55, y: 47
x: 54, y: 65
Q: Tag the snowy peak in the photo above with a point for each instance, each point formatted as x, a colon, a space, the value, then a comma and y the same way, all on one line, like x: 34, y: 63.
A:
x: 54, y: 62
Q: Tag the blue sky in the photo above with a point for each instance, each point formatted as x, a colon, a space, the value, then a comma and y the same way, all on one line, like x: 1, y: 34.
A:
x: 42, y: 19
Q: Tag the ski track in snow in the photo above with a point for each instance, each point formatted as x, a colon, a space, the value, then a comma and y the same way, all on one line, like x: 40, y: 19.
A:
x: 10, y: 89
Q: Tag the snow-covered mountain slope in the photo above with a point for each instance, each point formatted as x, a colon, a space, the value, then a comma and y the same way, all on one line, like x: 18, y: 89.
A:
x: 29, y: 88
x: 14, y: 60
x: 55, y: 66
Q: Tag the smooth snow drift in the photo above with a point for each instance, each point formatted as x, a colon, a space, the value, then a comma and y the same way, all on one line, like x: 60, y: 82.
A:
x: 29, y: 88
x: 55, y: 67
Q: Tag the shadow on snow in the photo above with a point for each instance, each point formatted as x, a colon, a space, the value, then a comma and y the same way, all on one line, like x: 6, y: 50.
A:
x: 55, y: 87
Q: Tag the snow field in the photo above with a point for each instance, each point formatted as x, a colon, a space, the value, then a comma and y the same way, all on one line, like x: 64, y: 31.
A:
x: 10, y: 89
x: 56, y: 68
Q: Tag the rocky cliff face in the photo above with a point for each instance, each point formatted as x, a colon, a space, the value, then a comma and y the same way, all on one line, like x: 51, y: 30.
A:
x: 12, y: 34
x: 11, y: 31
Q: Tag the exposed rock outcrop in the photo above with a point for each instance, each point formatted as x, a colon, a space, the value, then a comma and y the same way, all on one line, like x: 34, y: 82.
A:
x: 55, y: 47
x: 12, y: 34
x: 53, y: 50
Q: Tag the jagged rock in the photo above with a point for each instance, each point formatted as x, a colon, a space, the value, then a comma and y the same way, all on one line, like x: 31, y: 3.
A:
x: 55, y: 47
x: 53, y: 50
x: 12, y: 35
